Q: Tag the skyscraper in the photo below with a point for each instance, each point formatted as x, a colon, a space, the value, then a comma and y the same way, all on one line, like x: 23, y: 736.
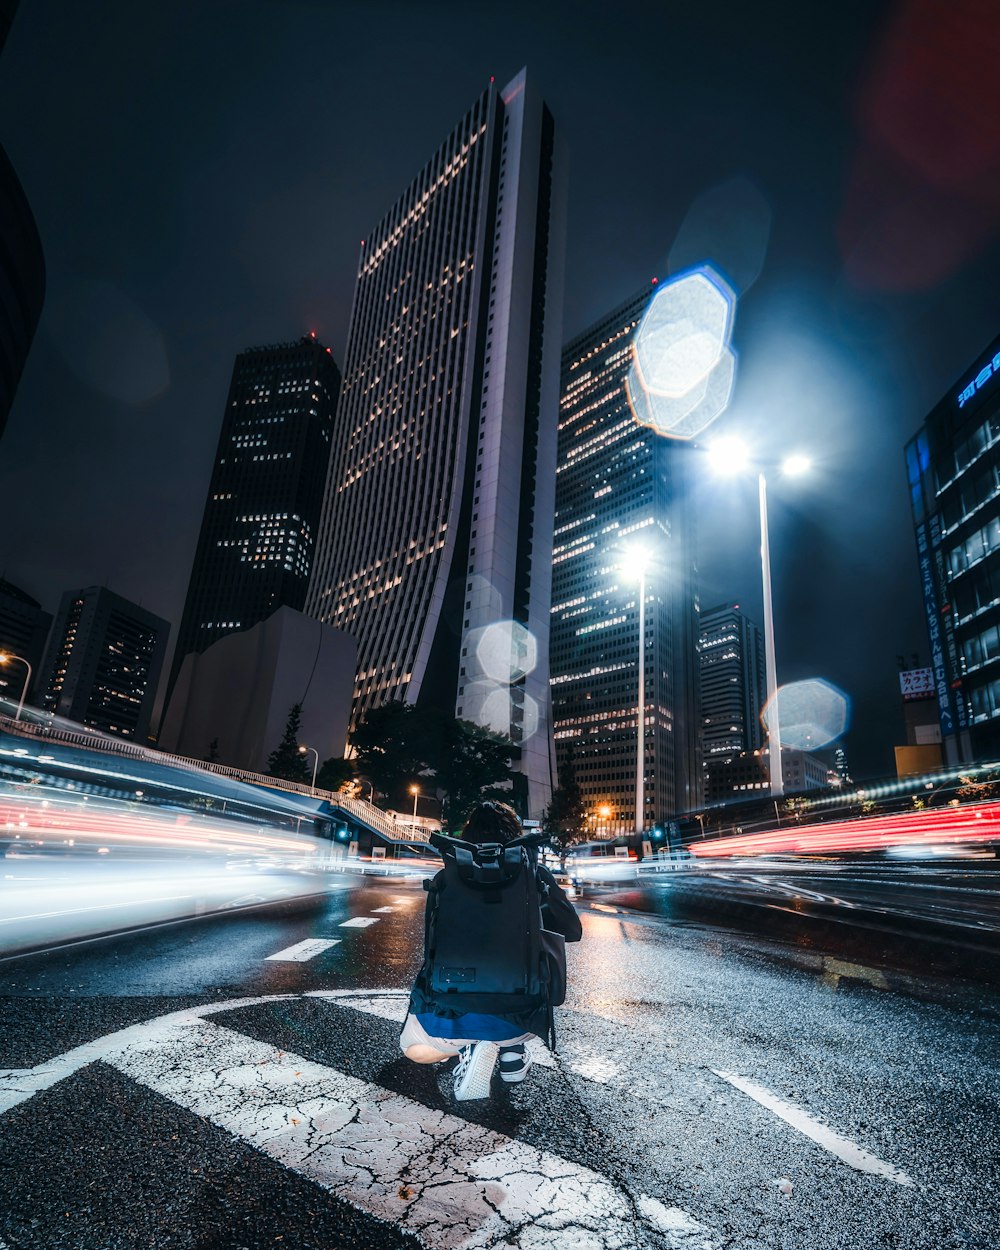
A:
x: 435, y: 544
x: 22, y: 267
x: 953, y: 468
x: 731, y: 655
x: 103, y: 662
x: 258, y: 531
x: 619, y: 486
x: 24, y: 627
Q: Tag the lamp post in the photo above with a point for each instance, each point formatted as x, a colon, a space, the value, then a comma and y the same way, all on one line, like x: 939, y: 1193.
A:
x: 5, y: 658
x: 635, y: 564
x: 415, y: 791
x: 302, y: 751
x: 730, y: 456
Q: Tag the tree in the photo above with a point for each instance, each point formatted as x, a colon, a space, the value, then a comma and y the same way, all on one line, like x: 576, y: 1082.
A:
x: 565, y: 817
x: 285, y: 761
x: 398, y: 744
x: 391, y: 746
x: 334, y: 774
x: 473, y: 764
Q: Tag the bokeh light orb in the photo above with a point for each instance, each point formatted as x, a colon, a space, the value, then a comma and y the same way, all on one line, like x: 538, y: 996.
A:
x: 811, y: 714
x: 681, y: 375
x: 506, y: 651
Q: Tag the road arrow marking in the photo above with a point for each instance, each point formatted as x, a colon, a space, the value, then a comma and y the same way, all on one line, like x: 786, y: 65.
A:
x: 453, y: 1184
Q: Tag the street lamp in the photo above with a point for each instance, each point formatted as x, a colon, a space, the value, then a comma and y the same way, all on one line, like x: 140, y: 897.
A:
x: 302, y: 751
x: 5, y: 658
x: 603, y: 813
x: 634, y: 566
x: 730, y: 456
x: 415, y: 791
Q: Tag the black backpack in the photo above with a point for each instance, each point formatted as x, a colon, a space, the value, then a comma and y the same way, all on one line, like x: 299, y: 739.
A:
x: 486, y: 950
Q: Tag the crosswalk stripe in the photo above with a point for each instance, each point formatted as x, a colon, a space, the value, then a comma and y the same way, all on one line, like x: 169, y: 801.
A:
x: 359, y: 922
x: 466, y: 1187
x: 308, y: 949
x: 381, y: 909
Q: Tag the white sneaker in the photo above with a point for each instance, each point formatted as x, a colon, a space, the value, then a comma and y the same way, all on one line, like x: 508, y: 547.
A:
x: 515, y: 1062
x: 475, y: 1071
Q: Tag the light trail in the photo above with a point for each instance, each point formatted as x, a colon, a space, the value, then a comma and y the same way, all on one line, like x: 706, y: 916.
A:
x: 971, y: 824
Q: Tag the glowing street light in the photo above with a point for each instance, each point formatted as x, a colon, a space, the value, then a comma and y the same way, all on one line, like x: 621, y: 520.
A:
x: 415, y: 791
x: 5, y: 658
x: 730, y: 456
x: 634, y: 566
x: 302, y: 751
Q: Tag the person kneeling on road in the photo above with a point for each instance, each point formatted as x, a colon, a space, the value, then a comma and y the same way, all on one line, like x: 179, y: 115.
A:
x: 494, y: 953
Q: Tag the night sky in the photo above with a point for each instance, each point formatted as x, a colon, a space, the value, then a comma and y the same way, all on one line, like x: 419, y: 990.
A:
x: 202, y: 174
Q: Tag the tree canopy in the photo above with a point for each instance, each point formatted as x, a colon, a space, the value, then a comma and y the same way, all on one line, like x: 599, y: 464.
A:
x: 398, y: 744
x: 565, y: 816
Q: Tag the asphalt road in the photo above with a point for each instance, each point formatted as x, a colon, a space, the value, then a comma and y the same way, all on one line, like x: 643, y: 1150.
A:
x: 217, y: 1085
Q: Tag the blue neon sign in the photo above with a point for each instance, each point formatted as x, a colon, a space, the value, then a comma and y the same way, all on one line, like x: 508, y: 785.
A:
x: 979, y: 381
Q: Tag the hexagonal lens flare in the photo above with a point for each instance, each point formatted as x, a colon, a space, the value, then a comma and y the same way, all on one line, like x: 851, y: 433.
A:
x: 506, y: 651
x: 811, y: 714
x: 682, y: 371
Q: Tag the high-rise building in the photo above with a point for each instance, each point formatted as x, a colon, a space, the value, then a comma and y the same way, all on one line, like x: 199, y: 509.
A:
x: 258, y: 531
x: 436, y: 538
x: 22, y: 267
x: 953, y: 468
x: 620, y: 485
x: 103, y: 662
x: 731, y: 656
x: 24, y: 627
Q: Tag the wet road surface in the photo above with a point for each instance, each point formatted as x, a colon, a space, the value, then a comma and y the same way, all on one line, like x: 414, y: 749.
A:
x: 236, y: 1082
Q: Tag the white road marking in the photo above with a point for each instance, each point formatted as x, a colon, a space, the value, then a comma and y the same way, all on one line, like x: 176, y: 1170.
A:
x: 381, y: 909
x: 308, y: 949
x: 601, y: 1069
x: 402, y: 900
x: 453, y: 1184
x: 850, y: 1152
x: 359, y: 922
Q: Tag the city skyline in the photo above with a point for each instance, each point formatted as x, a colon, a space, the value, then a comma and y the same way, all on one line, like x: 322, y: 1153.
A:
x: 188, y: 248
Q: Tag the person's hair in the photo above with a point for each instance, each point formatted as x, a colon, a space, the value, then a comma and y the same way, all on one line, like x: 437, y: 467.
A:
x: 491, y: 821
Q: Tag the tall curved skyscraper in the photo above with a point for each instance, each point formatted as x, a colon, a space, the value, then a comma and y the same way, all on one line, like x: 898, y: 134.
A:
x: 435, y: 544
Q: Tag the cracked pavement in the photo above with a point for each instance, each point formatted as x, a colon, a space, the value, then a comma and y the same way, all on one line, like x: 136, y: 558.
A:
x: 250, y: 1103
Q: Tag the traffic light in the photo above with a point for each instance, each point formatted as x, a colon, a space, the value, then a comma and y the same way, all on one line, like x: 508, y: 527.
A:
x: 342, y: 835
x: 657, y: 834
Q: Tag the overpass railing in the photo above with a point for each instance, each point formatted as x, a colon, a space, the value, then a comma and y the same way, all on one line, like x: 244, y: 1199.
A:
x: 360, y: 809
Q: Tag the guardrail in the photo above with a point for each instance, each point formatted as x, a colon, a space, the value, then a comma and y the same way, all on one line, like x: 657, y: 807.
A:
x: 361, y: 809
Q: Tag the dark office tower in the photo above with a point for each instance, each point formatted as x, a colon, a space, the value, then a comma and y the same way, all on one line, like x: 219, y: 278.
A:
x: 24, y: 627
x: 953, y: 467
x: 437, y: 526
x: 103, y: 662
x: 258, y: 532
x: 22, y: 267
x: 731, y: 654
x: 621, y: 486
